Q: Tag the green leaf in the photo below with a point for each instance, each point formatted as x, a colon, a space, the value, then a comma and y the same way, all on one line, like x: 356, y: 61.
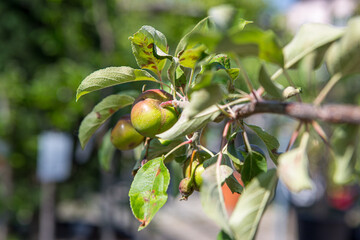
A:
x: 157, y: 149
x: 202, y: 99
x: 106, y: 151
x: 150, y: 49
x: 233, y: 153
x: 268, y: 84
x: 148, y: 190
x: 344, y: 144
x: 309, y: 38
x: 171, y: 72
x: 344, y: 56
x: 111, y: 76
x: 255, y: 163
x: 190, y: 56
x: 211, y: 196
x: 233, y: 184
x: 251, y: 205
x: 344, y: 169
x: 293, y: 167
x: 159, y: 54
x: 254, y: 41
x: 271, y: 143
x: 223, y: 236
x: 101, y: 112
x: 184, y: 126
x: 202, y: 26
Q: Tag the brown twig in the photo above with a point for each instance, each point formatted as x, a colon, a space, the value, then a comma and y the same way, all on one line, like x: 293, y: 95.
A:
x: 320, y: 132
x: 334, y: 113
x: 294, y: 136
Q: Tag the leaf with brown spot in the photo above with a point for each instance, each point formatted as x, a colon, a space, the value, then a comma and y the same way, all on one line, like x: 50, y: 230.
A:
x: 148, y: 190
x: 192, y: 55
x: 101, y: 112
x: 143, y: 43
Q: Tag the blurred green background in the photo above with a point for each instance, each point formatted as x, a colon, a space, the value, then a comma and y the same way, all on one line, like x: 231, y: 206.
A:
x: 47, y: 48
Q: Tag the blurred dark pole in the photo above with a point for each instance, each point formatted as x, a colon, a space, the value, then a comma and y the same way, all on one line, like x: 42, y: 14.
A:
x: 7, y: 184
x: 47, y: 212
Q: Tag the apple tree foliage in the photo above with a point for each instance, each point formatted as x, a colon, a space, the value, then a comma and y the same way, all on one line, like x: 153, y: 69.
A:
x: 203, y: 75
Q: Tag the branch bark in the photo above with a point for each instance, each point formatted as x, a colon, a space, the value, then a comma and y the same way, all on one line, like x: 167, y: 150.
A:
x: 334, y: 113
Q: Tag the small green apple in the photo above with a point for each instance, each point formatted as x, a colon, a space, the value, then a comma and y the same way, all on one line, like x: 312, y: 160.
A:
x: 148, y: 117
x: 197, y: 176
x: 124, y: 136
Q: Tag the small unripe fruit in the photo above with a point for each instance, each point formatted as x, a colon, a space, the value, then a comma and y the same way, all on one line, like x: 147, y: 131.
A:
x: 124, y: 136
x: 148, y: 117
x: 197, y: 176
x: 199, y: 158
x: 186, y: 188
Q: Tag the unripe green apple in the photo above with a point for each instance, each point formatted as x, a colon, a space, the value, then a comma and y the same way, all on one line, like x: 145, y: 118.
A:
x: 197, y: 176
x: 148, y: 117
x: 199, y: 158
x: 124, y: 136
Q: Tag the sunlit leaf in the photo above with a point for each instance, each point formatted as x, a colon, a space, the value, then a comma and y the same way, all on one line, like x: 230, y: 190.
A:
x: 190, y: 56
x: 148, y: 190
x: 212, y: 199
x: 101, y: 112
x: 185, y: 126
x: 310, y: 37
x: 106, y: 151
x: 111, y: 76
x: 344, y: 56
x: 251, y: 205
x: 143, y: 44
x: 293, y: 167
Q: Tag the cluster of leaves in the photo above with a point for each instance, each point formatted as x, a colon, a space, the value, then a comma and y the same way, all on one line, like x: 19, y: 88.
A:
x: 203, y: 83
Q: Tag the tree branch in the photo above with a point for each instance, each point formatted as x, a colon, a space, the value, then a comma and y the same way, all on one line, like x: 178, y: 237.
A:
x: 334, y: 113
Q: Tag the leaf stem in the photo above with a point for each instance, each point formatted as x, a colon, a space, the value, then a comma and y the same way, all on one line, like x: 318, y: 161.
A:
x: 329, y: 85
x: 191, y: 161
x: 320, y: 132
x: 218, y: 164
x: 147, y: 145
x: 294, y: 136
x: 177, y: 147
x: 206, y: 150
x: 246, y: 139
